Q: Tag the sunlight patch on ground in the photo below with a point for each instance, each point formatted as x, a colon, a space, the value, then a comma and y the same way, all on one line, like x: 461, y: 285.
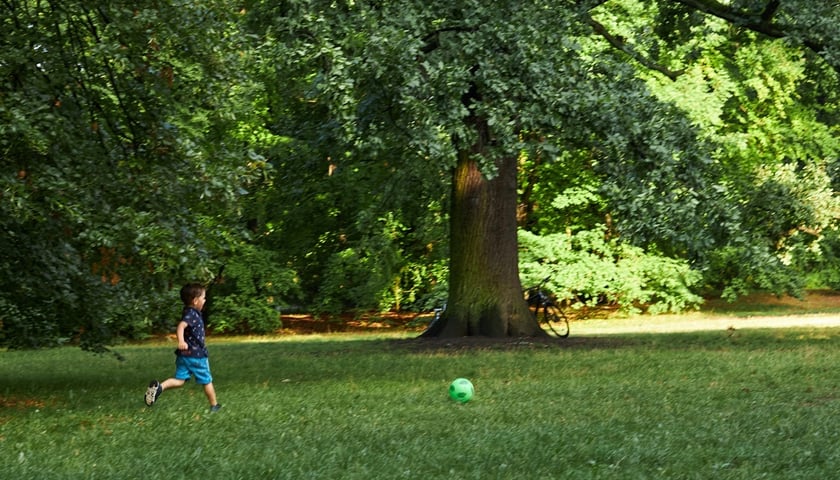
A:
x: 698, y: 322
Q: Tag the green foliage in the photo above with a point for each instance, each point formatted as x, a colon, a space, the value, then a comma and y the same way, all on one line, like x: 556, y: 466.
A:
x: 560, y: 193
x: 355, y: 278
x: 357, y: 82
x: 376, y: 274
x: 825, y: 263
x: 118, y: 179
x: 25, y: 329
x: 253, y: 289
x: 423, y: 286
x: 766, y: 110
x: 586, y: 270
x: 245, y: 314
x: 400, y: 101
x: 350, y: 203
x: 750, y: 267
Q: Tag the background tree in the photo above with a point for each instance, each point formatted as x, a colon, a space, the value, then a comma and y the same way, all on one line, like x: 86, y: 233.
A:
x: 473, y: 87
x: 769, y: 107
x: 448, y: 86
x: 118, y: 176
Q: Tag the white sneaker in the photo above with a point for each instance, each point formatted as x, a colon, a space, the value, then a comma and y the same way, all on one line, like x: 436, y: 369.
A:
x: 153, y: 392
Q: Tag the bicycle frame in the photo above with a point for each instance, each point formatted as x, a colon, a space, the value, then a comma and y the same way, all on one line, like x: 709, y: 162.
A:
x: 545, y: 309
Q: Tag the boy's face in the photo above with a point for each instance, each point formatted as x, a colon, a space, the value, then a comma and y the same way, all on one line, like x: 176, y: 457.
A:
x: 198, y: 302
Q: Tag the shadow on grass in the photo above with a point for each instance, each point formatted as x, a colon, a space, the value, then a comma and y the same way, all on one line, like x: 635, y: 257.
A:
x: 769, y: 338
x: 455, y: 345
x: 61, y: 374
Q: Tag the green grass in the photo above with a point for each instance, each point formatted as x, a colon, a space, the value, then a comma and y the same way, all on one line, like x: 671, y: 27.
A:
x: 761, y: 404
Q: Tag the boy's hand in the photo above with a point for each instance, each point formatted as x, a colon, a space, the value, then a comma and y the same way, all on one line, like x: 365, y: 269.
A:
x: 183, y: 346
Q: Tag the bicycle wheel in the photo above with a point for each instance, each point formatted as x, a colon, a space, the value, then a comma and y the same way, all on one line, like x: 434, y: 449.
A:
x: 554, y: 319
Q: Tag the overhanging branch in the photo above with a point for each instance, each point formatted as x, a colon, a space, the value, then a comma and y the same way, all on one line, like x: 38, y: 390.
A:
x: 757, y: 21
x: 621, y: 45
x: 431, y: 41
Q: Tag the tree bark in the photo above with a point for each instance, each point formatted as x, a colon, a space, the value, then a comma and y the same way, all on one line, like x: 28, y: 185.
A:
x: 485, y: 294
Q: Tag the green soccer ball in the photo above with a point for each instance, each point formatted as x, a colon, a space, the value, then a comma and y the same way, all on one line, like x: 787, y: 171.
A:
x: 461, y: 390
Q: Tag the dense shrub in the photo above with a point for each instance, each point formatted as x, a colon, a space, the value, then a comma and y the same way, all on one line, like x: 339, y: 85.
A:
x: 384, y: 270
x: 251, y: 292
x: 586, y: 270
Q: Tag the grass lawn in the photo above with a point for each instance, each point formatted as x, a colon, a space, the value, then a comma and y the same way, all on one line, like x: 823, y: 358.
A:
x: 758, y: 404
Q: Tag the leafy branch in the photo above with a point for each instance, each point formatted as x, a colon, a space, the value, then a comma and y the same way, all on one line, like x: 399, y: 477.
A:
x: 619, y: 44
x: 761, y: 21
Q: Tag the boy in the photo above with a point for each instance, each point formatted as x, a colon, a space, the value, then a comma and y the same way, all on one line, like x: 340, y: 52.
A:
x: 191, y: 356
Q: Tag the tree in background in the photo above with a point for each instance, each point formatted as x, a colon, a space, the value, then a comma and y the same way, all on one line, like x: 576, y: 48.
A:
x: 471, y: 88
x: 768, y: 107
x: 118, y: 174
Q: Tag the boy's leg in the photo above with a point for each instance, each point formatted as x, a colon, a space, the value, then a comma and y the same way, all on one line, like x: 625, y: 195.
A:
x: 172, y: 383
x: 156, y: 388
x: 182, y: 374
x: 211, y: 394
x: 203, y: 377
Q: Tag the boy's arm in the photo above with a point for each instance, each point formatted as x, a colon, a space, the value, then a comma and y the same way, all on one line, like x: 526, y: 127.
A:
x: 179, y: 332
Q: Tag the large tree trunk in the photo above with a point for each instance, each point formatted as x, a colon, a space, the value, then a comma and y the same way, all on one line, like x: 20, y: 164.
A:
x: 485, y: 294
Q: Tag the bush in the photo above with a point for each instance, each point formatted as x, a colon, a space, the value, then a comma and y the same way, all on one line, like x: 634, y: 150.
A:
x: 245, y: 314
x: 823, y: 264
x: 587, y: 270
x: 250, y: 294
x: 384, y: 270
x: 425, y: 285
x: 737, y: 270
x: 382, y: 280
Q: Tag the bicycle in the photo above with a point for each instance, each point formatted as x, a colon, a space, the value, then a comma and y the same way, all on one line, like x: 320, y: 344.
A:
x: 546, y: 310
x: 423, y: 319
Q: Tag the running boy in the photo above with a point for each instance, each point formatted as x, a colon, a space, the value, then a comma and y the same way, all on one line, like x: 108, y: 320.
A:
x: 191, y: 356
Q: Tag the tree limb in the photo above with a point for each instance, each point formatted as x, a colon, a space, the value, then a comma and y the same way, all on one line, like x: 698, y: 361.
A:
x: 621, y: 45
x: 770, y: 10
x: 761, y: 22
x: 432, y: 40
x: 754, y: 21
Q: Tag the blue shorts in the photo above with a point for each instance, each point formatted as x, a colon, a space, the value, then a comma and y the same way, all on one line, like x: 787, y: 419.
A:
x: 196, y: 367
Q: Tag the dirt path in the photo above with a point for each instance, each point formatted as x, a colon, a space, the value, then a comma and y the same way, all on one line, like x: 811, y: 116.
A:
x: 753, y: 311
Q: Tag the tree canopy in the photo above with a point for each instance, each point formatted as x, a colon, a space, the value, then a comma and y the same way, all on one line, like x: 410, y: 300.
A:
x: 115, y: 153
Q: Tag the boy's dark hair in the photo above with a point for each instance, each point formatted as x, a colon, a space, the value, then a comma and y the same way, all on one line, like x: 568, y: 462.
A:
x: 190, y: 292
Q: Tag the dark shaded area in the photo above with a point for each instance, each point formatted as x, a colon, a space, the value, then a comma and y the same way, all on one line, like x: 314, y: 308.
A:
x: 465, y: 344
